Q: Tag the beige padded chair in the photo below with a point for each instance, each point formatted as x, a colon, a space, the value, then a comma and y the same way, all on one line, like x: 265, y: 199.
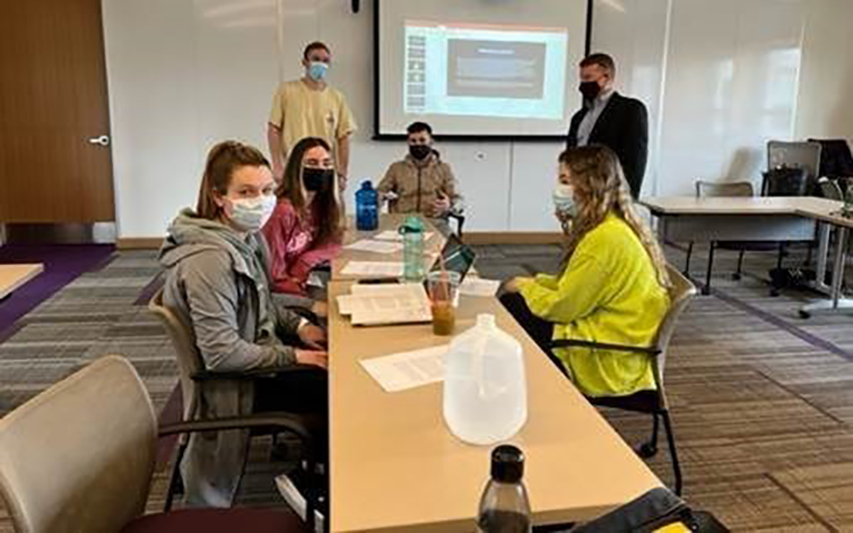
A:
x: 80, y: 456
x: 193, y: 376
x: 653, y: 402
x: 190, y: 362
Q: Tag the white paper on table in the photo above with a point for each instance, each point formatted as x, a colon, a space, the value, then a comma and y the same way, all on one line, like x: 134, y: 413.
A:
x: 393, y: 235
x: 479, y: 287
x: 374, y: 305
x: 373, y: 268
x: 346, y: 304
x: 379, y: 247
x: 407, y: 370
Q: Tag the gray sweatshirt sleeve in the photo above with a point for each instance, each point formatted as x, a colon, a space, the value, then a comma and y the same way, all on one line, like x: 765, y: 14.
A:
x: 288, y: 320
x: 213, y: 300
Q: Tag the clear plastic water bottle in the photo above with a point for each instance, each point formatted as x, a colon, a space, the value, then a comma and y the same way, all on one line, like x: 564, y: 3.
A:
x: 413, y: 249
x: 504, y: 506
x: 366, y: 207
x: 485, y: 388
x: 847, y: 209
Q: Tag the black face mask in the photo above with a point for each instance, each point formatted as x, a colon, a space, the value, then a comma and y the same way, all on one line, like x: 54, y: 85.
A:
x: 317, y: 179
x: 420, y: 151
x: 589, y: 89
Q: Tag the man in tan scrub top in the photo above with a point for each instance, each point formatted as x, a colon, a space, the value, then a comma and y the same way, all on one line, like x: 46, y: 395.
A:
x: 308, y: 107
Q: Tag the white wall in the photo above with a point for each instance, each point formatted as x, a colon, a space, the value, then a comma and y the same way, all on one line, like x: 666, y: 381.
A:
x: 719, y: 78
x: 826, y: 86
x: 182, y: 75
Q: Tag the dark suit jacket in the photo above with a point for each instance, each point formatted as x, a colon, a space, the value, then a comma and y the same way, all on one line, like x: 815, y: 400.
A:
x: 623, y: 127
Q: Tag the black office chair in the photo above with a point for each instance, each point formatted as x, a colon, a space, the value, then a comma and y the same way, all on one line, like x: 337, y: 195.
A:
x: 652, y: 402
x: 836, y: 161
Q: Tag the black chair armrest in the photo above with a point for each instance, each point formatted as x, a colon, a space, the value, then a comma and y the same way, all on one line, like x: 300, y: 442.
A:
x: 297, y: 424
x: 566, y: 343
x: 303, y: 426
x: 244, y: 375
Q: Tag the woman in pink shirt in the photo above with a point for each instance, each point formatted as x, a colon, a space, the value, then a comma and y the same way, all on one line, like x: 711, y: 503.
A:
x: 305, y: 229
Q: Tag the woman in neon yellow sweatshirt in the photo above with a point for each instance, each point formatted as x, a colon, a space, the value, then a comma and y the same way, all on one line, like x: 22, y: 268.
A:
x: 613, y: 282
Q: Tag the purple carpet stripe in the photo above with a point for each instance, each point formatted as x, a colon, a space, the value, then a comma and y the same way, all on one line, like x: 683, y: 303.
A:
x: 782, y: 324
x: 172, y: 413
x: 149, y: 290
x: 62, y: 265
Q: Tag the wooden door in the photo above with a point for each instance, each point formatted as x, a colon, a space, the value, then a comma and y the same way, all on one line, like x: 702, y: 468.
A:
x: 53, y: 100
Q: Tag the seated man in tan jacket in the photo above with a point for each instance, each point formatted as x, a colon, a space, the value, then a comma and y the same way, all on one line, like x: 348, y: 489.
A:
x: 422, y: 183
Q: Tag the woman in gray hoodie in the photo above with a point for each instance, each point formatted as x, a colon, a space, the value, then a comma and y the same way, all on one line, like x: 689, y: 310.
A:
x: 217, y: 281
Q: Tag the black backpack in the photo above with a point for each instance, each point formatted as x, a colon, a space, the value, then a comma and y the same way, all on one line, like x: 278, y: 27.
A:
x: 650, y: 512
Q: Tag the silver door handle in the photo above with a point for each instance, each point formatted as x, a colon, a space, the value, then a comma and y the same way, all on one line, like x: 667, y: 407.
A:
x: 103, y: 140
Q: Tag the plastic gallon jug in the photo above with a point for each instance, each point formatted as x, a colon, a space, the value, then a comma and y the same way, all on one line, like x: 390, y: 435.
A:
x: 485, y: 388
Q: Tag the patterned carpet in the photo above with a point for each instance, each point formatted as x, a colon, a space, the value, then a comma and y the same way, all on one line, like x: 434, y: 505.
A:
x: 762, y: 400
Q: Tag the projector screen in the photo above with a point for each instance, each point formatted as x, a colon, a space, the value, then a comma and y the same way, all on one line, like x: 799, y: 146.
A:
x: 481, y: 68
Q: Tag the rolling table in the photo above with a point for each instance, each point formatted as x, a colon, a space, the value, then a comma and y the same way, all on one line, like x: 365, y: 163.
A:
x: 771, y: 219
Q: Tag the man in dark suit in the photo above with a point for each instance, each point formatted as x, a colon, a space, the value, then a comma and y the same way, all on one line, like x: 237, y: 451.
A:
x: 608, y: 118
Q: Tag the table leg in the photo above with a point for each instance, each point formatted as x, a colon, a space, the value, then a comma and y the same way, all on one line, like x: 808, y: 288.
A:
x: 822, y: 254
x: 838, y: 269
x: 836, y: 303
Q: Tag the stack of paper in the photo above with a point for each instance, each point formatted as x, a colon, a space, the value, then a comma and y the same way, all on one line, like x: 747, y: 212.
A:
x: 407, y: 370
x: 379, y: 247
x: 376, y: 305
x: 391, y: 235
x: 473, y: 286
x: 378, y: 269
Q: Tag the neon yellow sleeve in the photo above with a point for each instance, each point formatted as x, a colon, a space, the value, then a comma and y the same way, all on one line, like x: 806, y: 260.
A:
x: 578, y: 292
x: 547, y: 280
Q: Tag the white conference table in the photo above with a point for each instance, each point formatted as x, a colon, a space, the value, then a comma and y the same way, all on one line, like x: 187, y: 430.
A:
x: 395, y: 467
x: 769, y: 219
x: 388, y: 222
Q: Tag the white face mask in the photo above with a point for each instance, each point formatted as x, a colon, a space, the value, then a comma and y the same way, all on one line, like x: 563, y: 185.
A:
x: 564, y: 200
x: 251, y: 214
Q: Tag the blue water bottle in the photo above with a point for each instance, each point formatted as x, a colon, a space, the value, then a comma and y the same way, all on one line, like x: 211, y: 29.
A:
x: 366, y: 207
x: 413, y: 249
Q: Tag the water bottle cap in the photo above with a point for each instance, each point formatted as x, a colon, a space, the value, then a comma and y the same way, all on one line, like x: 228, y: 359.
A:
x: 412, y: 225
x: 507, y: 464
x: 366, y: 184
x: 486, y: 321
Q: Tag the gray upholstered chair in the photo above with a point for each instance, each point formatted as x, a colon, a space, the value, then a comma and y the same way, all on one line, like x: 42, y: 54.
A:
x: 653, y: 402
x: 80, y: 457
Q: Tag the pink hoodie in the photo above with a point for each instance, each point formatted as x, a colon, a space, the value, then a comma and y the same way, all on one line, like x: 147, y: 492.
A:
x: 293, y: 252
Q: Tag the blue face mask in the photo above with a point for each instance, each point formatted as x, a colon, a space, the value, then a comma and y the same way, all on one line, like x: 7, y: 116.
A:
x: 564, y: 200
x: 317, y: 70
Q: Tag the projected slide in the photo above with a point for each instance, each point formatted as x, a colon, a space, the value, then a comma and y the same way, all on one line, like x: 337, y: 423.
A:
x: 485, y: 70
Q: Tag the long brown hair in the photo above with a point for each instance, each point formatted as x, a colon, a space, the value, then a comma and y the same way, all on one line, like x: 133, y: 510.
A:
x: 600, y: 188
x: 222, y: 161
x: 324, y: 208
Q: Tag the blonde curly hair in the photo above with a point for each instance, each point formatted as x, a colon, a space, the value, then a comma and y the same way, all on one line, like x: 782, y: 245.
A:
x: 600, y: 188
